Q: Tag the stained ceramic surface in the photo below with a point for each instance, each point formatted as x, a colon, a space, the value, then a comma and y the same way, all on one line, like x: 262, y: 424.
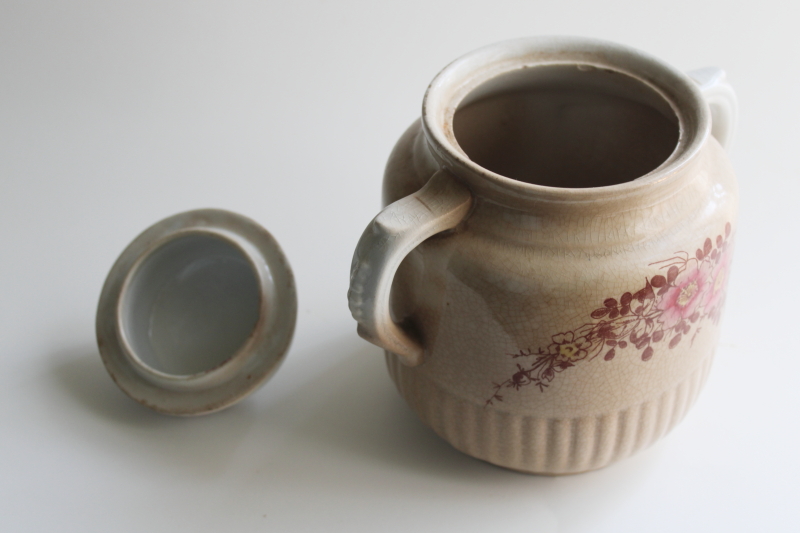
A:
x: 568, y: 317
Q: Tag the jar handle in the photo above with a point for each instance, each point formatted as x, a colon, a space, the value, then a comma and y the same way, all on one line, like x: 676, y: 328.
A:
x: 438, y: 206
x: 721, y: 99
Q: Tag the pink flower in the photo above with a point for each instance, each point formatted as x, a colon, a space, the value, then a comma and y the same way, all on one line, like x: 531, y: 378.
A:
x: 717, y: 281
x: 685, y: 295
x: 568, y: 348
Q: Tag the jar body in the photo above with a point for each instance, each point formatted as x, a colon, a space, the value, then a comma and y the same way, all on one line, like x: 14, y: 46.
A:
x: 559, y: 339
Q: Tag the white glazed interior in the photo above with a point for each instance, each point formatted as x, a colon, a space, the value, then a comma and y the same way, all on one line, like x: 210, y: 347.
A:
x: 190, y: 304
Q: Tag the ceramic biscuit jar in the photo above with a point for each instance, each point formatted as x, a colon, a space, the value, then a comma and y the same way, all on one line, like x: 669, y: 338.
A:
x: 548, y: 276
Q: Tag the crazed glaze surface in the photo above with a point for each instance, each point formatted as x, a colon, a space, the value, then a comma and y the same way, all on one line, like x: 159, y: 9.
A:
x: 507, y: 282
x: 559, y: 334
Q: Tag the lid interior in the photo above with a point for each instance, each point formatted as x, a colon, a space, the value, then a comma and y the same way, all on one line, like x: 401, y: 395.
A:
x: 190, y: 305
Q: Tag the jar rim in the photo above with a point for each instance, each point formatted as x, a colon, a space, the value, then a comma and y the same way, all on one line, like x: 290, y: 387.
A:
x: 458, y: 79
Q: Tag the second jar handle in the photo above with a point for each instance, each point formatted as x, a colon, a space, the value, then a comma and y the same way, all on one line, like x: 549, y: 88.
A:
x: 721, y: 99
x: 440, y: 205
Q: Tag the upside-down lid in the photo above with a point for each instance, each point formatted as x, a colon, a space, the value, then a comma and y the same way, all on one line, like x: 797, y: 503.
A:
x: 197, y: 312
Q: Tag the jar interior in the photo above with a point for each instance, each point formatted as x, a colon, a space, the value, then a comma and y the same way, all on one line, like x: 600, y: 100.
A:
x: 572, y: 126
x: 190, y: 305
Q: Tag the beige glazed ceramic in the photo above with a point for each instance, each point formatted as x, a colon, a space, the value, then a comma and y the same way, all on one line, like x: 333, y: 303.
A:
x: 548, y: 277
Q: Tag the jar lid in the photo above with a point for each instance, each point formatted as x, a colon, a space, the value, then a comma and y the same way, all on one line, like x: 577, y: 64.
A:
x: 197, y: 312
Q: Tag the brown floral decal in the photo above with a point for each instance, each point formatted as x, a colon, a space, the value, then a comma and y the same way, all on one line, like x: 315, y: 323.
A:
x: 663, y: 313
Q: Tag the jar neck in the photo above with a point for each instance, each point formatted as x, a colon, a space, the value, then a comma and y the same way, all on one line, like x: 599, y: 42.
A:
x: 462, y: 79
x: 605, y: 225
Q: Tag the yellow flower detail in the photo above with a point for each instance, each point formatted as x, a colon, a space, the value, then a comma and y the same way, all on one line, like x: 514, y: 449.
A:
x: 686, y: 293
x: 568, y: 351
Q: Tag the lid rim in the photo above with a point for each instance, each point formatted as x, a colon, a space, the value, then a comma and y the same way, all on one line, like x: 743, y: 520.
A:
x: 260, y: 354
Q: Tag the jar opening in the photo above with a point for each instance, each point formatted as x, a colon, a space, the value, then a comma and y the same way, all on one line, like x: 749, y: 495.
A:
x: 568, y: 126
x: 624, y: 93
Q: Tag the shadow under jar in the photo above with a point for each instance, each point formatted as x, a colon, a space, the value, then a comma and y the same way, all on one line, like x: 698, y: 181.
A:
x: 548, y: 275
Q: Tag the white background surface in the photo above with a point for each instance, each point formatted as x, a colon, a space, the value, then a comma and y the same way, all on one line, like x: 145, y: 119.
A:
x: 114, y: 115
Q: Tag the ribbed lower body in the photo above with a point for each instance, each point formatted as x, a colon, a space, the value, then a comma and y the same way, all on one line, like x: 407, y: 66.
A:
x: 546, y: 445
